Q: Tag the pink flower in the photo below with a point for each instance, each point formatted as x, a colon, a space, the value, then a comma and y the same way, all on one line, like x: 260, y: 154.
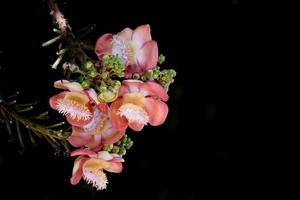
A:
x: 91, y: 126
x: 91, y: 165
x: 137, y: 50
x: 138, y: 104
x: 75, y: 103
x: 97, y: 132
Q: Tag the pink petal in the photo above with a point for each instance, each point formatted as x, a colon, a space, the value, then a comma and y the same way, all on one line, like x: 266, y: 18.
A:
x: 77, y: 170
x: 126, y: 34
x: 95, y: 143
x: 92, y: 95
x: 53, y: 101
x: 115, y: 167
x: 79, y: 141
x: 151, y: 88
x: 118, y: 122
x: 104, y: 45
x: 133, y: 85
x: 147, y: 56
x: 123, y: 90
x: 141, y: 35
x: 157, y: 111
x: 136, y: 126
x: 103, y: 107
x: 80, y: 152
x: 104, y: 155
x: 116, y: 158
x: 131, y: 69
x: 67, y: 85
x: 112, y: 136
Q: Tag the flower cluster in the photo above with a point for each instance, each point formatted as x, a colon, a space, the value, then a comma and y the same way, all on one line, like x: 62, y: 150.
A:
x: 123, y: 88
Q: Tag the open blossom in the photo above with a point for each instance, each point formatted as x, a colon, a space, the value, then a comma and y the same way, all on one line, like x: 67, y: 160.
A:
x: 136, y: 48
x: 96, y: 133
x: 139, y: 103
x: 91, y: 126
x: 91, y: 165
x: 74, y: 103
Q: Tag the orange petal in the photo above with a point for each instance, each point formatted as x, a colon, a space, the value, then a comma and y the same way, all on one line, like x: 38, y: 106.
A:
x: 118, y: 122
x: 123, y: 90
x: 141, y: 35
x: 77, y: 170
x: 151, y: 88
x: 157, y: 111
x: 136, y: 126
x: 133, y: 85
x: 95, y: 143
x: 115, y: 167
x: 112, y: 136
x: 77, y: 141
x: 53, y: 101
x: 126, y: 34
x: 67, y: 85
x: 104, y: 45
x: 147, y: 56
x: 95, y: 164
x: 81, y: 152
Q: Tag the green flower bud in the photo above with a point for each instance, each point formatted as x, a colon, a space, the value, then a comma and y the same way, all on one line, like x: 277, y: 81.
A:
x: 148, y: 75
x: 124, y: 139
x: 107, y: 96
x: 122, y: 151
x: 129, y: 144
x: 85, y: 84
x: 88, y: 65
x: 136, y: 76
x: 117, y: 85
x: 161, y: 59
x: 93, y: 73
x: 105, y: 57
x: 115, y: 149
x: 105, y: 75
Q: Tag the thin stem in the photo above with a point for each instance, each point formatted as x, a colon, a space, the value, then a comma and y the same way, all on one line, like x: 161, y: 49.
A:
x: 35, y: 127
x: 66, y: 31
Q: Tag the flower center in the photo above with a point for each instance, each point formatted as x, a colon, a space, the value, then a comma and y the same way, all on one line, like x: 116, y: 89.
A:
x: 75, y: 104
x: 125, y: 49
x: 97, y: 124
x: 119, y: 47
x: 134, y: 113
x: 96, y: 177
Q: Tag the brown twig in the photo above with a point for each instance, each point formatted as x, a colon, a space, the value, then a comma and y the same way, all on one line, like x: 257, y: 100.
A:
x: 57, y: 15
x: 66, y: 32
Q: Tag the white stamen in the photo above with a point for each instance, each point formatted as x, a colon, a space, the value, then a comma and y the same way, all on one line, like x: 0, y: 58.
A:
x: 73, y: 108
x: 120, y: 48
x: 94, y: 122
x: 134, y: 113
x: 97, y: 178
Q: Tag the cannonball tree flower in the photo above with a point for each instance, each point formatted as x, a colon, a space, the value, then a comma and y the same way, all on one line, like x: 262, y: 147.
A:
x: 91, y: 125
x: 136, y: 48
x: 97, y: 132
x: 91, y: 165
x: 138, y: 104
x: 74, y: 103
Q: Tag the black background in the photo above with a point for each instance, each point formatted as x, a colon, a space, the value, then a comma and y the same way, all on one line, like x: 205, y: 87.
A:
x: 203, y: 147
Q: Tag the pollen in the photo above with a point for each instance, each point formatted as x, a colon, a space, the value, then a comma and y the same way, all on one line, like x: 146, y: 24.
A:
x: 134, y: 113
